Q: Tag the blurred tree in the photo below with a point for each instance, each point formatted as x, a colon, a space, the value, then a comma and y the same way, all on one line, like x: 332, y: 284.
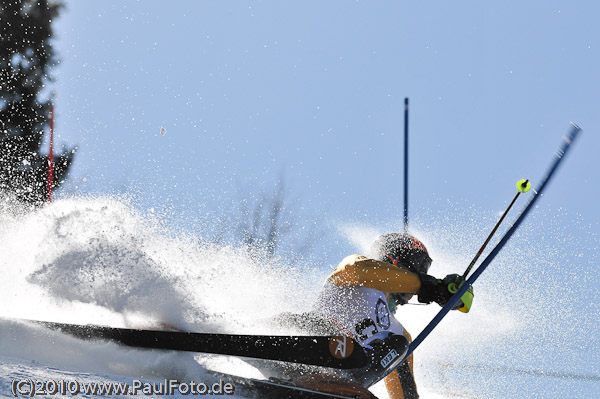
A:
x: 26, y: 57
x: 268, y: 226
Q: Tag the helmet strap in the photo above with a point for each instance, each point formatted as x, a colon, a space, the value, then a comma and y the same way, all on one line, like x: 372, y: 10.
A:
x: 394, y: 261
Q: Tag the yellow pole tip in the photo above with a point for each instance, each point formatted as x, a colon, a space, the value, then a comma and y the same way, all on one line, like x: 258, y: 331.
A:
x: 523, y: 185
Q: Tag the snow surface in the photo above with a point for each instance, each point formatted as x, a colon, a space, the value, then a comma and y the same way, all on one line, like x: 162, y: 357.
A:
x: 101, y: 261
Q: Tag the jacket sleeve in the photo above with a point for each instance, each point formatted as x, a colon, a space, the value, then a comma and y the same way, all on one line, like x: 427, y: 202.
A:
x: 358, y: 270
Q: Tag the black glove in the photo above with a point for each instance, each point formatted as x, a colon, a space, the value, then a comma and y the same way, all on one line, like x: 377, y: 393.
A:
x: 436, y: 290
x: 432, y: 290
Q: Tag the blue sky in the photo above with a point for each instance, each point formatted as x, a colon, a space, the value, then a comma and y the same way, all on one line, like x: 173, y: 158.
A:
x: 313, y: 91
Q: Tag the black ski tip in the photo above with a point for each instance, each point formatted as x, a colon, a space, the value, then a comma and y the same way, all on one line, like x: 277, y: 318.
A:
x: 338, y: 352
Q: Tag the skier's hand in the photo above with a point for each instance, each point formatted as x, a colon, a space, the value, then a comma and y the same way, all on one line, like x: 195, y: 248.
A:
x: 454, y: 281
x: 440, y: 291
x: 433, y: 290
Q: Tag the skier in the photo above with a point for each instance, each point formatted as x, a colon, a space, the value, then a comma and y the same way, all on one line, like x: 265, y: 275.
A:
x: 362, y: 293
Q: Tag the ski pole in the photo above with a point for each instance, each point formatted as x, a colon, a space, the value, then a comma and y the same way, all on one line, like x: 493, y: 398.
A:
x: 559, y: 156
x: 406, y: 164
x: 522, y: 186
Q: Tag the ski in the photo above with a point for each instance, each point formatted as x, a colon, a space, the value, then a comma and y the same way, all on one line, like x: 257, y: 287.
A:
x: 281, y: 389
x: 338, y: 352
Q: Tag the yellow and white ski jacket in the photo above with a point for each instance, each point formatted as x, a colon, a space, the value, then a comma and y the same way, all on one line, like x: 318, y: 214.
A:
x: 356, y: 293
x: 355, y: 299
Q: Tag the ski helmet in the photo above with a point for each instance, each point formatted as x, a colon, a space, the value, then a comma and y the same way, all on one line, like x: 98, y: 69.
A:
x: 402, y: 250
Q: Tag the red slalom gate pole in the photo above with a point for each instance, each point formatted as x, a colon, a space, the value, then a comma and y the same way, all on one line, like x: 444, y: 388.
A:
x: 51, y: 155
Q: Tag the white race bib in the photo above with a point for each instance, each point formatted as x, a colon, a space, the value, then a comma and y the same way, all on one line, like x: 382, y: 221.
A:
x: 357, y: 311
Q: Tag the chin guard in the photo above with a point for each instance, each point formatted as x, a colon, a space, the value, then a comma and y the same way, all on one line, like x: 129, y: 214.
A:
x: 396, y: 300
